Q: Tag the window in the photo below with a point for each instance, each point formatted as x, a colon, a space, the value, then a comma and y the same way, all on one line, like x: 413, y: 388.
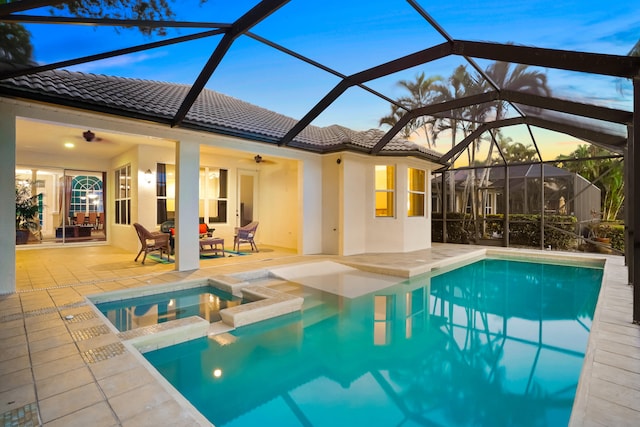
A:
x: 165, y: 192
x: 414, y: 315
x: 417, y: 192
x: 213, y: 195
x: 435, y: 203
x: 123, y: 195
x: 86, y: 194
x: 488, y: 203
x: 385, y: 190
x: 383, y: 316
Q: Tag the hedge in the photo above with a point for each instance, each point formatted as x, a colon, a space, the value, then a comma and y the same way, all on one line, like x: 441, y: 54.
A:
x: 524, y: 230
x: 455, y: 232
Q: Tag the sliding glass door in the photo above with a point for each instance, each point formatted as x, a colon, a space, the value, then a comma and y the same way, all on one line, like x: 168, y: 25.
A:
x: 70, y: 204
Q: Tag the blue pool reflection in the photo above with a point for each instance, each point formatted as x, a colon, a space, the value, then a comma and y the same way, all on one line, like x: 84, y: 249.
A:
x: 493, y: 343
x: 138, y: 312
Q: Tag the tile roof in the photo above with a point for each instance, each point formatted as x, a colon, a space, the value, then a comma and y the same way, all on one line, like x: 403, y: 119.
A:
x: 212, y: 111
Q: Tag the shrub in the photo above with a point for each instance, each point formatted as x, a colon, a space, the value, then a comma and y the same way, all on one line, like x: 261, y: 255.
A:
x: 612, y: 231
x: 456, y: 233
x: 524, y: 230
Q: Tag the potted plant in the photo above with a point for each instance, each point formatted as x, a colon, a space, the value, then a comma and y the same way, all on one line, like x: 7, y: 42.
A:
x: 600, y: 233
x: 26, y: 212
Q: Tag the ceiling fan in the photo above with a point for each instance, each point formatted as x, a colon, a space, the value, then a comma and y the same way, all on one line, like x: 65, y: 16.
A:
x: 259, y: 160
x: 91, y: 137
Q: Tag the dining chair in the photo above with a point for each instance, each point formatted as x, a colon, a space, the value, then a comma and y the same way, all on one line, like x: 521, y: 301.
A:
x: 80, y: 218
x: 93, y: 219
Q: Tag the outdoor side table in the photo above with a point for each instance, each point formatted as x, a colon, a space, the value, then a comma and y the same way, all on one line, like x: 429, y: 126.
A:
x: 212, y: 246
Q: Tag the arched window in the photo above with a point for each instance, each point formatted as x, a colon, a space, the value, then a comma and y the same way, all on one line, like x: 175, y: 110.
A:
x: 86, y: 194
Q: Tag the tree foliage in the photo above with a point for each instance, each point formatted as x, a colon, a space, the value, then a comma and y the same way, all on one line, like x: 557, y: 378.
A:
x: 434, y: 89
x: 606, y: 174
x: 464, y: 121
x: 15, y: 46
x: 515, y: 152
x: 144, y: 10
x: 422, y: 91
x: 16, y: 49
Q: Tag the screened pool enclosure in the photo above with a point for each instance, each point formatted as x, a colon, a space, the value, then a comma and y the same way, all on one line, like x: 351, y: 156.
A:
x: 534, y: 144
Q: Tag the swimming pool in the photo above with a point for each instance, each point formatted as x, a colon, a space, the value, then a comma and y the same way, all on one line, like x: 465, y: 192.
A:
x: 136, y: 312
x: 495, y: 342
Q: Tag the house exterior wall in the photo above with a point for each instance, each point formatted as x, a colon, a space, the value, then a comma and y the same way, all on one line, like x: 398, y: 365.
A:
x: 310, y: 205
x: 361, y: 230
x: 332, y: 177
x: 123, y: 235
x: 308, y: 202
x: 356, y: 208
x: 7, y: 192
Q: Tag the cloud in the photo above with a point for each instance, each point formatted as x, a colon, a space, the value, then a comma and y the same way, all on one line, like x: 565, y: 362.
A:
x: 118, y: 62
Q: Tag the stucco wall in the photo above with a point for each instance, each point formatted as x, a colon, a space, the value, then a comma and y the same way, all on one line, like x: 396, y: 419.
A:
x: 332, y: 171
x: 363, y: 232
x: 7, y: 192
x: 278, y: 202
x: 356, y: 210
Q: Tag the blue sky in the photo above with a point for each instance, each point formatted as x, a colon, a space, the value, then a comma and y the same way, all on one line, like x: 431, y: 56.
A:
x: 352, y: 35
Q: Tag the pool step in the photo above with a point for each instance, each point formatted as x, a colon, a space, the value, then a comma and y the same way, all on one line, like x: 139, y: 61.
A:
x: 165, y: 334
x: 266, y: 304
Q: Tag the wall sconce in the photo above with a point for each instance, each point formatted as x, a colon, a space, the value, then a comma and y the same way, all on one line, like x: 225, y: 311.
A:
x: 148, y: 175
x: 258, y: 158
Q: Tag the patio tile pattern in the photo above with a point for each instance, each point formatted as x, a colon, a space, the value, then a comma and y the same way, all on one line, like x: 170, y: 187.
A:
x: 59, y: 371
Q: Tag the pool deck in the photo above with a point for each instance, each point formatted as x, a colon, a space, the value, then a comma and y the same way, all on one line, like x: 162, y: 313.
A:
x: 56, y: 371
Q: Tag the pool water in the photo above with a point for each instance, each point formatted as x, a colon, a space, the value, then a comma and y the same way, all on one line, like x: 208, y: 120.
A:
x: 132, y: 313
x: 493, y: 343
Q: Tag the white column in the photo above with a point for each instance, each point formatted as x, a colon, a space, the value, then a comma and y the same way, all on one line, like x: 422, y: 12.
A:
x: 187, y: 197
x: 7, y: 194
x: 310, y: 187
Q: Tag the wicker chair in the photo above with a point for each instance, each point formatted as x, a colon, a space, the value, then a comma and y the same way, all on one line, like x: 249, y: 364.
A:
x: 168, y: 227
x: 245, y: 235
x: 152, y: 241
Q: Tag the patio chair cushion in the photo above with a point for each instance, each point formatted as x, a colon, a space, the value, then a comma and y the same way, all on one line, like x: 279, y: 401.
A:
x: 203, y: 229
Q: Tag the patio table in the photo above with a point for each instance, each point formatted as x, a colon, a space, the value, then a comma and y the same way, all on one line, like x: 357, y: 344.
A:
x: 212, y: 246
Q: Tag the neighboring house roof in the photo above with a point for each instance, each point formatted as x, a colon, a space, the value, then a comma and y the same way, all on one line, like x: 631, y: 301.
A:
x: 518, y: 171
x: 212, y: 111
x: 497, y: 174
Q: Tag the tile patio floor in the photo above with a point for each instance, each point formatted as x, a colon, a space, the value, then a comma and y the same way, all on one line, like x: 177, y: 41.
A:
x: 58, y: 372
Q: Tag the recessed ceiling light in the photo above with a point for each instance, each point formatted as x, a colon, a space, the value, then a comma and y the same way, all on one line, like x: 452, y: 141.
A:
x: 69, y: 144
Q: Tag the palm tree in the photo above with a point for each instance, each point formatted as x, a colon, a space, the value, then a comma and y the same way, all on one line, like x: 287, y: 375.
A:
x: 613, y: 183
x: 519, y: 78
x: 395, y: 116
x: 458, y: 84
x: 515, y: 152
x: 505, y: 76
x: 422, y: 92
